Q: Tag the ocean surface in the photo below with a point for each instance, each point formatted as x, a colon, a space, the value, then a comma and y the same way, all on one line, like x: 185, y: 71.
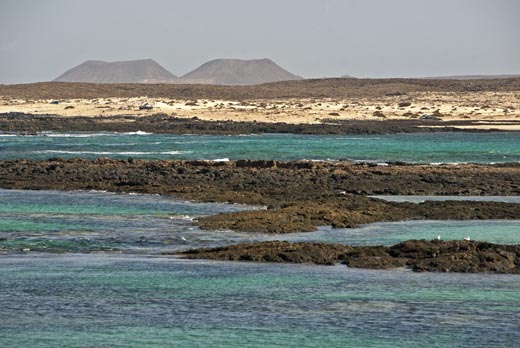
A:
x: 100, y: 300
x: 414, y: 148
x: 79, y: 221
x: 84, y: 269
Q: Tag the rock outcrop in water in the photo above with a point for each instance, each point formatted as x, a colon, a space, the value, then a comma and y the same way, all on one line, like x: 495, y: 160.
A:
x: 162, y: 123
x: 299, y: 195
x: 317, y: 253
x: 419, y: 255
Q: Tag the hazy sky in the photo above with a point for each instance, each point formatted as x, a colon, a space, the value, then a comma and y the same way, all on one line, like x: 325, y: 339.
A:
x: 39, y: 40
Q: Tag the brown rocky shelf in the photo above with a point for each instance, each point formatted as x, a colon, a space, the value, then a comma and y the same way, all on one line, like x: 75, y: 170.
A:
x: 162, y: 123
x: 299, y: 195
x: 418, y: 255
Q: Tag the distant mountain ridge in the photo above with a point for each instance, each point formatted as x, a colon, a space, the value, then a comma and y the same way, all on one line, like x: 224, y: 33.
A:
x: 131, y: 71
x: 238, y: 72
x: 215, y: 72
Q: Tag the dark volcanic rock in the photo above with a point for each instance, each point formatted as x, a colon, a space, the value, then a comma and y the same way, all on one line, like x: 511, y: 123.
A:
x: 459, y: 256
x: 419, y: 255
x: 299, y: 195
x: 318, y: 253
x: 372, y: 257
x: 161, y: 123
x: 354, y: 211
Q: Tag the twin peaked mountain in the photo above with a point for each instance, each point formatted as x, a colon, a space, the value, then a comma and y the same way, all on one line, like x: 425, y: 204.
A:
x: 216, y: 72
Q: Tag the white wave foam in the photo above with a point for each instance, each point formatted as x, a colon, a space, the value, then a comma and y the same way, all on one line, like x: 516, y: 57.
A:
x: 173, y: 152
x: 74, y: 135
x: 112, y: 152
x: 320, y: 160
x: 376, y: 162
x: 89, y: 135
x: 136, y: 133
x: 181, y: 217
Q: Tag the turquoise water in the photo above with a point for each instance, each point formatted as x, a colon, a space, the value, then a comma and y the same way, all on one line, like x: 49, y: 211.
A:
x: 55, y: 221
x: 134, y: 301
x: 417, y: 147
x: 83, y: 269
x: 390, y: 233
x: 100, y: 221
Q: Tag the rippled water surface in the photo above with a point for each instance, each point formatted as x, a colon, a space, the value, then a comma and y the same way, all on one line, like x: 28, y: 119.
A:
x: 417, y: 147
x: 135, y: 301
x: 58, y: 221
x: 390, y: 233
x: 83, y: 269
x: 100, y: 221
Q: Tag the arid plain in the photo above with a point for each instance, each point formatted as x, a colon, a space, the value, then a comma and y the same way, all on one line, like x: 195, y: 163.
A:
x: 495, y: 104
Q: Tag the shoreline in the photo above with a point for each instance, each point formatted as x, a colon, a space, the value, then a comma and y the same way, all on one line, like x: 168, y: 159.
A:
x: 299, y: 195
x: 475, y: 104
x: 14, y: 122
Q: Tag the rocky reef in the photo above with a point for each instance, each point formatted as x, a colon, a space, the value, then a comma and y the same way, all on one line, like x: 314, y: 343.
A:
x: 162, y: 123
x: 299, y: 195
x: 418, y: 255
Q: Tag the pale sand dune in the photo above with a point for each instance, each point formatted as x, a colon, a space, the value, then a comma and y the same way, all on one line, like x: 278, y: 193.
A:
x: 484, y: 106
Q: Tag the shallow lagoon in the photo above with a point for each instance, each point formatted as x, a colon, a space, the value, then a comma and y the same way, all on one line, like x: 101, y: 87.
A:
x: 140, y: 298
x: 101, y: 221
